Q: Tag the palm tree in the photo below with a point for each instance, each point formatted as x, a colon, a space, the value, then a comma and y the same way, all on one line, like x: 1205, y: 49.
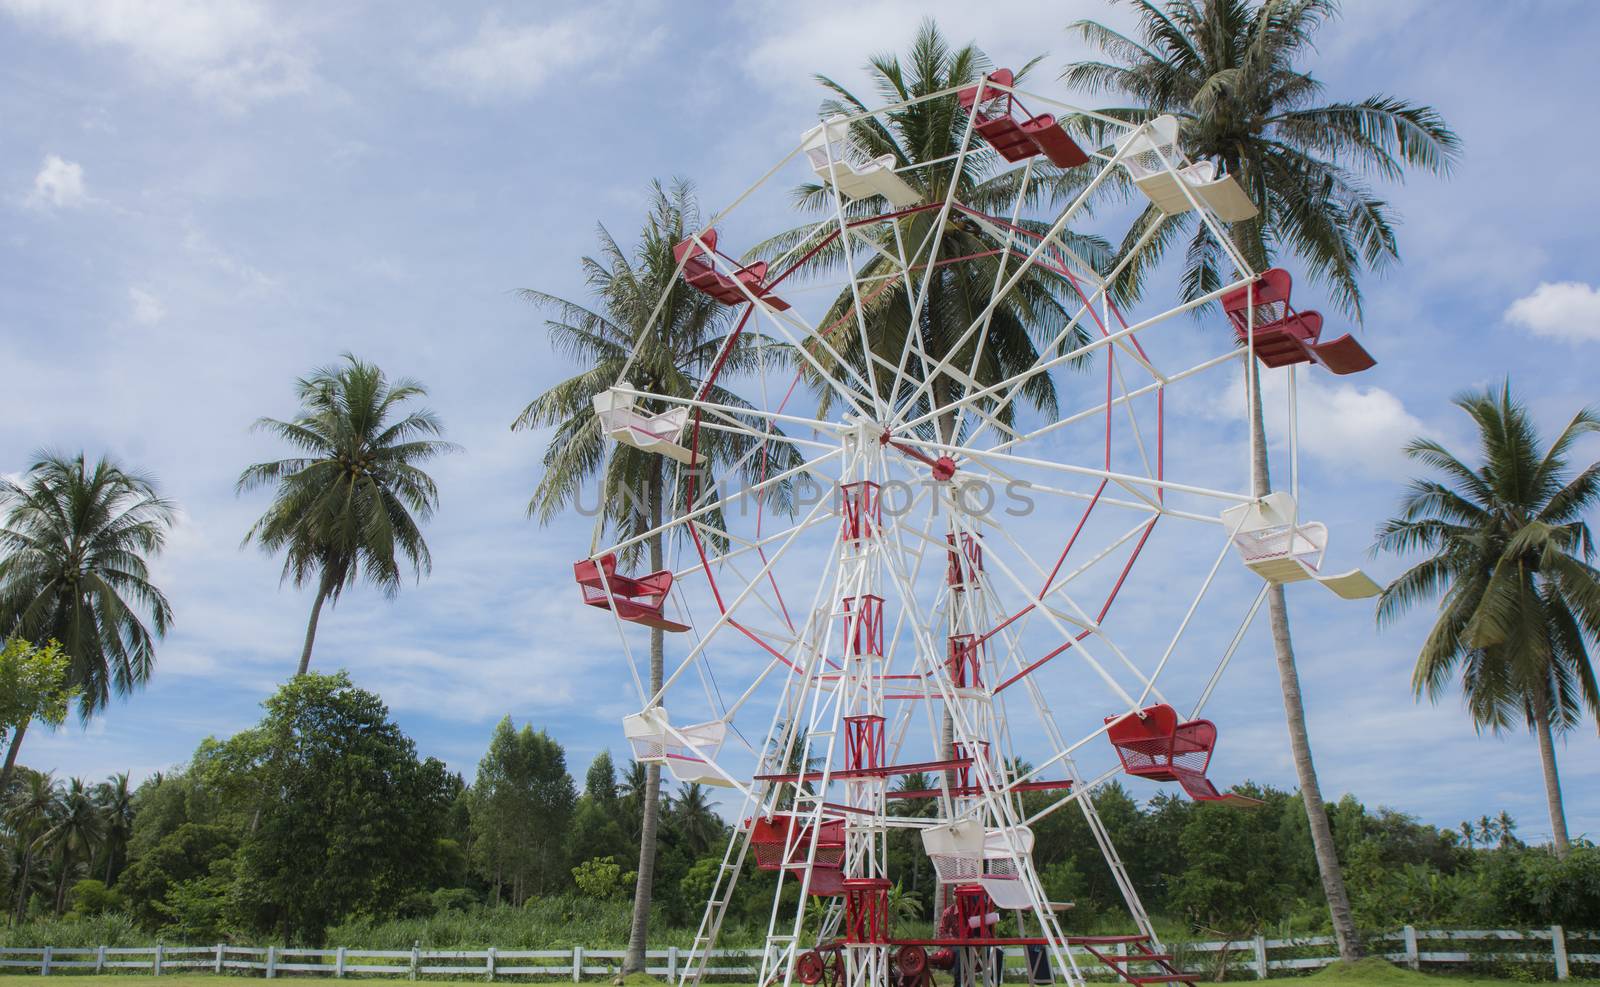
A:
x: 926, y: 136
x: 75, y: 831
x: 76, y: 540
x: 696, y: 817
x: 1510, y: 557
x: 27, y: 814
x: 1227, y: 70
x: 670, y: 355
x: 115, y: 800
x: 350, y: 505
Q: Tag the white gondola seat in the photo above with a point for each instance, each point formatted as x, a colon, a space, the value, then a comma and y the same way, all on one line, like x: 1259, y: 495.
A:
x: 1281, y: 550
x: 621, y: 419
x: 654, y: 743
x: 1165, y: 188
x: 840, y: 161
x: 965, y: 853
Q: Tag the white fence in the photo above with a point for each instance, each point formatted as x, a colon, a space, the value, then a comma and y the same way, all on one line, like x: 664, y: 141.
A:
x: 1553, y: 948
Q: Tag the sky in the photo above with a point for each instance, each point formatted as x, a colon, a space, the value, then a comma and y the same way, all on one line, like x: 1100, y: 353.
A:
x: 201, y: 201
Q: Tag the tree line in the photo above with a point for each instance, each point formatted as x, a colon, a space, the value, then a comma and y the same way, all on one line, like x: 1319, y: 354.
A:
x: 324, y: 814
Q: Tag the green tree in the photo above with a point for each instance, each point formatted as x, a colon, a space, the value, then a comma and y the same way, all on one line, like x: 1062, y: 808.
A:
x: 1227, y: 69
x: 351, y: 505
x: 522, y: 806
x: 28, y: 812
x: 1509, y: 556
x: 115, y: 801
x: 351, y: 795
x: 671, y: 355
x: 694, y: 815
x: 75, y: 832
x: 75, y: 546
x: 33, y: 686
x: 188, y: 853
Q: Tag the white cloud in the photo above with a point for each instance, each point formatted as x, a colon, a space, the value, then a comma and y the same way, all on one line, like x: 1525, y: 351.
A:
x: 510, y: 60
x: 235, y: 52
x: 147, y: 308
x: 1566, y: 310
x: 793, y: 41
x: 59, y: 184
x: 1340, y: 423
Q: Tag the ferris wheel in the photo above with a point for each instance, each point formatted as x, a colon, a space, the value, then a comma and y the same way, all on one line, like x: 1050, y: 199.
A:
x: 913, y: 594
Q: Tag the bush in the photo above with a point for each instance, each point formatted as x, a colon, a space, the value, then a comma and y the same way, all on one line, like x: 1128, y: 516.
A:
x: 91, y: 897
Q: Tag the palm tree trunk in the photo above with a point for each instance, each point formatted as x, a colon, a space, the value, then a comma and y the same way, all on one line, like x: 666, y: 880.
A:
x: 311, y: 627
x: 61, y: 885
x: 639, y: 931
x: 1327, y: 853
x: 11, y: 757
x: 22, y: 885
x: 1552, y: 781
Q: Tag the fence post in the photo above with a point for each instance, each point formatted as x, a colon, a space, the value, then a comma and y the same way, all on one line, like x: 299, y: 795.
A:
x: 216, y: 965
x: 99, y: 960
x: 416, y: 957
x: 272, y: 962
x: 1558, y: 947
x: 577, y: 963
x: 489, y: 963
x: 672, y: 964
x: 155, y: 965
x: 338, y: 962
x: 44, y: 964
x: 1261, y: 957
x: 1413, y: 955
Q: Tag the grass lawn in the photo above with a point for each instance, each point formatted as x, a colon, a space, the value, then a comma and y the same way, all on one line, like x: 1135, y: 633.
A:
x: 1367, y: 973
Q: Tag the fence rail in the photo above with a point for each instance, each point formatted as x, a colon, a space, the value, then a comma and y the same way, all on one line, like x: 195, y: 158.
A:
x: 1553, y: 948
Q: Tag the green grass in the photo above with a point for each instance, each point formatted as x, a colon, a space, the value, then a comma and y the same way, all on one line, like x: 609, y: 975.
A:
x: 1374, y: 972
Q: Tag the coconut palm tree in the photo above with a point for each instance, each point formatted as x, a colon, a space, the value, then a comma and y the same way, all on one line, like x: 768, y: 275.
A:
x: 926, y: 138
x: 115, y: 800
x: 1510, y: 558
x: 27, y: 814
x: 672, y: 355
x: 696, y: 817
x: 1227, y: 69
x: 351, y: 504
x: 75, y: 545
x: 76, y: 828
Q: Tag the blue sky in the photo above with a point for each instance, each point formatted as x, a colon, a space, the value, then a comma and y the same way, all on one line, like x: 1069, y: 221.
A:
x: 200, y: 201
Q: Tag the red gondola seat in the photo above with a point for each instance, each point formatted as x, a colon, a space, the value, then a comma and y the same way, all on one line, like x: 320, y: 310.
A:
x: 784, y: 841
x: 1018, y: 140
x: 700, y: 273
x: 637, y: 599
x: 1156, y: 746
x: 1284, y: 336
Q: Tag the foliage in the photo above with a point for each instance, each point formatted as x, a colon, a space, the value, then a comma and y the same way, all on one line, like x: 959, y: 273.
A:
x: 91, y: 897
x: 1228, y: 70
x: 350, y: 505
x: 521, y: 806
x: 74, y: 549
x: 33, y: 684
x: 925, y: 141
x: 601, y: 877
x: 1507, y: 548
x: 349, y: 793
